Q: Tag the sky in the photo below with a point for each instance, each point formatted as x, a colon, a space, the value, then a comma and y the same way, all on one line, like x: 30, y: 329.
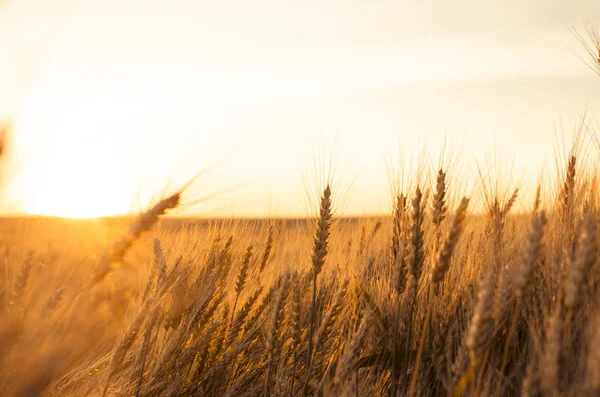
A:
x: 114, y: 103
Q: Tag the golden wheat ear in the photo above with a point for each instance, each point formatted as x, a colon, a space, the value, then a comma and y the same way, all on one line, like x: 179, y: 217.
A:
x: 240, y: 283
x: 320, y: 242
x: 442, y: 263
x: 417, y: 253
x: 142, y: 223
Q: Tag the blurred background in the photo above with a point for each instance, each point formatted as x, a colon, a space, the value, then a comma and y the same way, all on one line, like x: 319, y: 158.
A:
x: 114, y: 102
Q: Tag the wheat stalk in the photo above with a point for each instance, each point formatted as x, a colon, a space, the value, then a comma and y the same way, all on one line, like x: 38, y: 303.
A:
x: 143, y: 223
x: 442, y: 263
x: 439, y: 207
x: 320, y: 242
x: 273, y: 342
x: 267, y: 251
x: 242, y: 276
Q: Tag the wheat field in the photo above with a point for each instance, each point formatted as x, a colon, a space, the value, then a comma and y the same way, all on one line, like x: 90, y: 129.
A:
x: 445, y: 295
x: 431, y: 300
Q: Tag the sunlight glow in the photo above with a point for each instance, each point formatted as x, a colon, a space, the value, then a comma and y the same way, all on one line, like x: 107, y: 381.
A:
x: 64, y: 198
x: 116, y: 102
x: 71, y: 169
x: 74, y: 188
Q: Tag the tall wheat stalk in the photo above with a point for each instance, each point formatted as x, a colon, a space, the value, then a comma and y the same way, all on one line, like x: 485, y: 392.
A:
x: 440, y: 268
x: 416, y: 260
x: 142, y: 224
x: 320, y: 242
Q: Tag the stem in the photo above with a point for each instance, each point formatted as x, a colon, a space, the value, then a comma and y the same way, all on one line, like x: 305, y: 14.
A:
x: 311, y: 331
x: 413, y: 381
x: 409, y: 336
x: 393, y: 388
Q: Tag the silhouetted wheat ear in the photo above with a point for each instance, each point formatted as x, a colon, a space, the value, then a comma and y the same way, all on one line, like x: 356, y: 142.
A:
x: 415, y: 257
x: 160, y: 262
x: 295, y: 326
x: 417, y: 254
x: 397, y: 227
x: 510, y: 203
x: 567, y: 195
x: 442, y: 262
x: 320, y: 242
x: 267, y: 252
x: 142, y: 224
x: 397, y: 249
x: 23, y: 275
x: 322, y: 233
x: 243, y: 274
x: 439, y: 208
x: 241, y: 316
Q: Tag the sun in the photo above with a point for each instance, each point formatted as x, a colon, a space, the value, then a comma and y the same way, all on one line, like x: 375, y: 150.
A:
x: 69, y: 209
x: 76, y: 192
x: 71, y: 178
x: 74, y: 180
x: 67, y: 163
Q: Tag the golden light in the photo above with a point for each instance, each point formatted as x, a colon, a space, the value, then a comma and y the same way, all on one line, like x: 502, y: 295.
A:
x: 65, y: 165
x: 71, y: 192
x: 101, y: 113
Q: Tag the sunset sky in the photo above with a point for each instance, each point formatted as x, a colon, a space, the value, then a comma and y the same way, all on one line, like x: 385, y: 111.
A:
x: 115, y: 101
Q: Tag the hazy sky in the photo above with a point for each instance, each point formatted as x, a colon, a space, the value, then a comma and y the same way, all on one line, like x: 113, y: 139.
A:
x: 116, y: 100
